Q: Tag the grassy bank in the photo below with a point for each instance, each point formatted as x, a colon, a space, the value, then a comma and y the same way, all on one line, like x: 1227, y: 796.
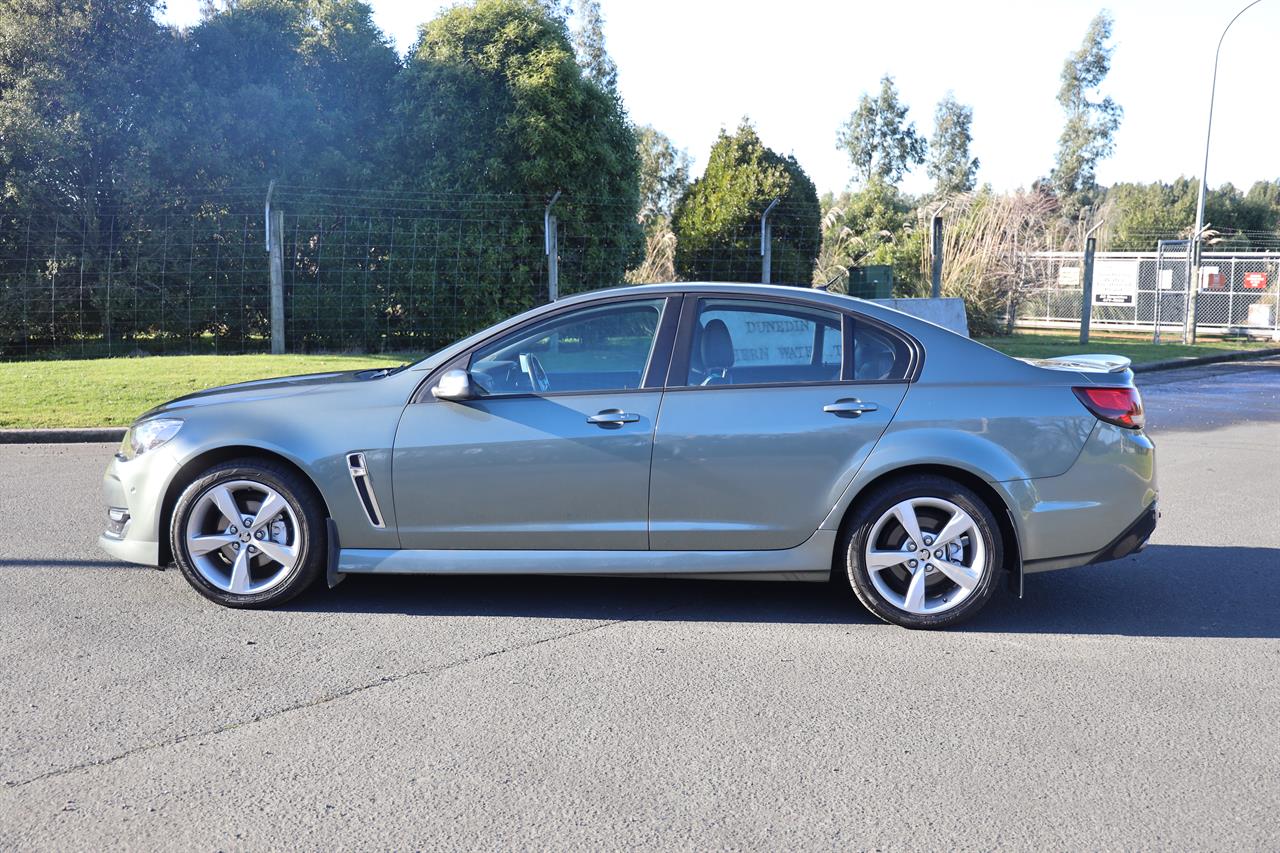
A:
x: 114, y: 391
x: 1138, y: 349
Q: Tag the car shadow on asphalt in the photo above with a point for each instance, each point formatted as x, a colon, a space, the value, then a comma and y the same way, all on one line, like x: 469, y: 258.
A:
x: 1165, y: 591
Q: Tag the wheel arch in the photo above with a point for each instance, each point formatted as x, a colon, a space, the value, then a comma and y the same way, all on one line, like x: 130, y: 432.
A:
x: 996, y: 502
x: 206, y: 459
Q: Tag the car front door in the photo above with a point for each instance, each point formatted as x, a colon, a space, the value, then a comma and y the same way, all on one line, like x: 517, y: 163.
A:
x: 554, y: 451
x: 771, y: 408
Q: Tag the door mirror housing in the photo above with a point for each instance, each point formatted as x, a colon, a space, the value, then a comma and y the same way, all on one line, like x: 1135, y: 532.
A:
x: 454, y: 385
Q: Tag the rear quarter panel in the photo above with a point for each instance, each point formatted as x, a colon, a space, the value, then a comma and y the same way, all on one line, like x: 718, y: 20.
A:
x: 977, y: 410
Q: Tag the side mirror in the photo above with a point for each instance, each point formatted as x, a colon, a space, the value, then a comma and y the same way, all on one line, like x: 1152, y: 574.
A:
x: 454, y: 385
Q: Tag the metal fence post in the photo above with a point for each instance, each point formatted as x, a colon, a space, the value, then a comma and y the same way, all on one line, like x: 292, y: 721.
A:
x: 276, y: 249
x: 1086, y: 297
x: 935, y: 272
x: 1193, y: 291
x: 766, y: 244
x: 552, y: 240
x: 273, y: 222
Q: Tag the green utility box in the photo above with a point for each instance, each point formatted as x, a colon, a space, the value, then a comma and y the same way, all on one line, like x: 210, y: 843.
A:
x: 872, y: 282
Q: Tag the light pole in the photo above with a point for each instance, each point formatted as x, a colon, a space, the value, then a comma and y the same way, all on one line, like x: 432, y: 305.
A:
x: 1189, y: 333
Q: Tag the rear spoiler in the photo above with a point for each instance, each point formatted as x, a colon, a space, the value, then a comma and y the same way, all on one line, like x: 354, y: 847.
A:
x: 1083, y: 363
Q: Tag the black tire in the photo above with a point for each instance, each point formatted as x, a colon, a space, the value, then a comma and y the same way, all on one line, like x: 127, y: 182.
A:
x: 871, y: 507
x: 307, y: 509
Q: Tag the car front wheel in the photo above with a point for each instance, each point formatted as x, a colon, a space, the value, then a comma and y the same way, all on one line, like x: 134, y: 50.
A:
x: 923, y: 552
x: 248, y: 533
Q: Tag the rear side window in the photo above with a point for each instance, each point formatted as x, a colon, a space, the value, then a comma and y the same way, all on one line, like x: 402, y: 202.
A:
x: 746, y: 342
x: 877, y: 355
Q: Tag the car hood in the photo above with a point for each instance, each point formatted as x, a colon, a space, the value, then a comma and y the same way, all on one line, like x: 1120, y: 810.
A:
x: 265, y: 389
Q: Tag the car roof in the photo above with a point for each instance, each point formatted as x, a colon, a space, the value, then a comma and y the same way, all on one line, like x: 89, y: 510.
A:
x: 813, y: 295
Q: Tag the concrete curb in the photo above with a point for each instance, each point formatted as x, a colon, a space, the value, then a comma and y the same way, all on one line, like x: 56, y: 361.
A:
x: 89, y: 435
x: 1197, y: 360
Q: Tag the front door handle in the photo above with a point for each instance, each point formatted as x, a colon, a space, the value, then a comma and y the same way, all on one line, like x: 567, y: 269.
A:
x: 850, y: 408
x: 613, y: 417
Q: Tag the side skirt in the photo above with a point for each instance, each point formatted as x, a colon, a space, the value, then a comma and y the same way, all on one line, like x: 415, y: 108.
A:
x: 809, y: 561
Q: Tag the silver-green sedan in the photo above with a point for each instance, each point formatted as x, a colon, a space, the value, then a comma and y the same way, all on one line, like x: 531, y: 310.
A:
x: 693, y: 430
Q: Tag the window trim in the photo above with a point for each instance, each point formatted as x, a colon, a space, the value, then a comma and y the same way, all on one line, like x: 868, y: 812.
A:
x: 655, y: 368
x: 678, y: 371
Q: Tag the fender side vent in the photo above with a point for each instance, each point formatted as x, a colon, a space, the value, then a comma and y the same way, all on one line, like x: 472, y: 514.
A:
x: 364, y: 488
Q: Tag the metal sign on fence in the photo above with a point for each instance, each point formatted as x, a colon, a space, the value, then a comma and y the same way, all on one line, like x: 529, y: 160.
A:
x: 1115, y: 283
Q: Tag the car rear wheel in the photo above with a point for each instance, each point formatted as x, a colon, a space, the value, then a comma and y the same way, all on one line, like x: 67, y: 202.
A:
x: 923, y: 552
x: 248, y: 533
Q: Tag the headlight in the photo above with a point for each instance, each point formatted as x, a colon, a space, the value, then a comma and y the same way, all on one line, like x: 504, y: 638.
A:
x: 149, y: 434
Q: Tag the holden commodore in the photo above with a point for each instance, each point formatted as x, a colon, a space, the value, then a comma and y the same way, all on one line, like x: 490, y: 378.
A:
x: 677, y: 430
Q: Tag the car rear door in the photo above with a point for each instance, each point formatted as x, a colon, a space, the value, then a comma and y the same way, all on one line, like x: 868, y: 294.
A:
x: 772, y: 406
x: 565, y: 466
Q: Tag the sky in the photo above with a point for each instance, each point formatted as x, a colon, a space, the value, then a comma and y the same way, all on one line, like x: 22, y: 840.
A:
x: 797, y: 69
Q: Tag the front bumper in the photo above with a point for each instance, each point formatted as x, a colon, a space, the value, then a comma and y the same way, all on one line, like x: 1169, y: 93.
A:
x: 141, y: 551
x: 135, y: 488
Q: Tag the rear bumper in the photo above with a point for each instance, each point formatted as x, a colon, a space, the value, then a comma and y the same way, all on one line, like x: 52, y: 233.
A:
x: 1102, y: 508
x: 1133, y: 539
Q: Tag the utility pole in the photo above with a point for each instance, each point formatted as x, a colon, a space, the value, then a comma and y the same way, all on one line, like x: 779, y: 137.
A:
x: 275, y: 251
x: 552, y: 240
x: 766, y: 244
x: 1193, y: 288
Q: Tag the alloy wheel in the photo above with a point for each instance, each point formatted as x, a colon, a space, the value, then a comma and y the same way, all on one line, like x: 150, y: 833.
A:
x: 925, y: 555
x: 243, y: 537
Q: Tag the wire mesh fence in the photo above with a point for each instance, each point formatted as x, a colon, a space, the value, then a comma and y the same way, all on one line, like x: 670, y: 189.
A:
x: 362, y: 271
x: 1150, y: 291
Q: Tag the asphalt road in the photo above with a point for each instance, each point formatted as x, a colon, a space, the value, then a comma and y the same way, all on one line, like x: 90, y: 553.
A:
x: 1129, y: 705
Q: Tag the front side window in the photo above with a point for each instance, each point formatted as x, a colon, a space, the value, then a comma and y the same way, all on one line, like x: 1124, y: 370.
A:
x: 602, y: 348
x: 744, y: 342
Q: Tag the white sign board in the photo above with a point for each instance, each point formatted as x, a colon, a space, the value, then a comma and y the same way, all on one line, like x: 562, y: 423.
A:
x: 1115, y: 283
x: 1166, y: 279
x: 1068, y: 276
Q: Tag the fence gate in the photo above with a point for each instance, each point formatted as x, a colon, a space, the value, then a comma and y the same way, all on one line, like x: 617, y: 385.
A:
x: 1148, y: 292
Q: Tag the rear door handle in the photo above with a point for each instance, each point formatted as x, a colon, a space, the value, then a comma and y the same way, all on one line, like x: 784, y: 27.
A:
x: 851, y: 408
x: 613, y: 417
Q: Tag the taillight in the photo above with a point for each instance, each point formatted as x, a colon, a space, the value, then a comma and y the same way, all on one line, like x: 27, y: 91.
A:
x: 1119, y: 406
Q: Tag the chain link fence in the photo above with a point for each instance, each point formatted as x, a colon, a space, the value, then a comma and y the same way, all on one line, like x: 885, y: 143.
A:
x: 1149, y: 292
x: 368, y: 271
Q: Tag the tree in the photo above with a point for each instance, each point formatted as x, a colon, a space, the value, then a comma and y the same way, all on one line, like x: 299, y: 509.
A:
x: 292, y: 89
x: 1089, y: 134
x: 83, y: 108
x: 879, y: 139
x: 664, y: 173
x: 87, y: 124
x: 495, y: 113
x: 589, y: 39
x: 950, y: 165
x: 717, y: 220
x: 874, y: 225
x: 1140, y: 214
